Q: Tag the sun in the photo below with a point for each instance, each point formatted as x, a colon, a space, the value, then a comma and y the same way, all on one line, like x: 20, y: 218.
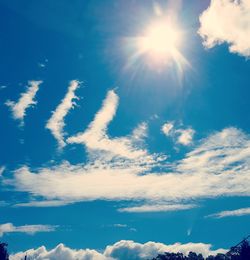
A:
x: 160, y: 40
x: 158, y: 46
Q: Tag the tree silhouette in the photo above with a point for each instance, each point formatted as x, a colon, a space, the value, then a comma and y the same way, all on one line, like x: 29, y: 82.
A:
x: 239, y: 252
x: 3, y: 251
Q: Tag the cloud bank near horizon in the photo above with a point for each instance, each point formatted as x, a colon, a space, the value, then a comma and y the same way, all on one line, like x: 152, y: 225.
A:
x: 121, y: 250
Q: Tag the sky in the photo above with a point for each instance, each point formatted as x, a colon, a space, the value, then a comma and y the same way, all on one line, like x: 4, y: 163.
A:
x: 124, y: 127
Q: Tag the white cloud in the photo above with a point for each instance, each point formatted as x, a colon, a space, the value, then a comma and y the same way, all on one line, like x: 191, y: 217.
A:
x: 231, y: 213
x: 43, y: 204
x: 219, y: 166
x: 59, y: 252
x: 122, y: 250
x: 167, y: 127
x: 119, y: 169
x: 120, y: 225
x: 227, y: 21
x: 29, y: 229
x: 56, y: 123
x: 25, y: 101
x: 157, y: 208
x: 97, y: 140
x: 185, y: 136
x: 2, y: 169
x: 182, y: 136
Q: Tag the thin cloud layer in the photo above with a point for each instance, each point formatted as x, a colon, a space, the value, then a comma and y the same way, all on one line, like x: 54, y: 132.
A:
x: 26, y: 100
x: 122, y: 250
x: 226, y: 21
x: 56, y: 123
x: 218, y: 166
x: 231, y: 213
x: 157, y: 208
x: 28, y: 229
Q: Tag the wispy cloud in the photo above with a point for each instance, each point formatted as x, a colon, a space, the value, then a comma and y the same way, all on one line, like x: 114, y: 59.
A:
x: 100, y: 144
x: 185, y: 136
x: 219, y: 166
x: 29, y: 229
x: 226, y: 21
x: 120, y: 225
x: 231, y: 213
x: 167, y: 127
x: 122, y: 250
x: 181, y: 135
x: 119, y: 169
x: 2, y: 169
x: 157, y: 208
x: 26, y: 100
x: 56, y: 123
x: 43, y: 204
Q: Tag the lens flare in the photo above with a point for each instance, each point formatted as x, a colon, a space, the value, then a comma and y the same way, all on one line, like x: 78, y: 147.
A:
x: 158, y: 47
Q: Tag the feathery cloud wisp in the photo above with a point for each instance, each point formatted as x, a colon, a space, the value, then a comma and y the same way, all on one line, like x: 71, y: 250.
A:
x: 157, y: 208
x: 29, y: 229
x: 219, y: 166
x: 231, y: 213
x: 56, y: 123
x: 97, y: 140
x: 26, y: 100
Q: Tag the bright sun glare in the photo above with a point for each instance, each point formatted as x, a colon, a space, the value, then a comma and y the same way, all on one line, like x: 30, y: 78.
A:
x: 161, y: 40
x: 158, y: 46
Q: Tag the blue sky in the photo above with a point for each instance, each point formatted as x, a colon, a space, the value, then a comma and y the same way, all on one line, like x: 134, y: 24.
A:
x: 105, y: 138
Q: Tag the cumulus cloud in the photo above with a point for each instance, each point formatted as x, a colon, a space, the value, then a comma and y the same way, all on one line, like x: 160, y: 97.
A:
x: 182, y: 136
x: 122, y: 250
x: 29, y: 229
x: 56, y: 123
x: 227, y: 21
x: 59, y: 252
x: 26, y: 100
x: 157, y: 208
x: 231, y: 213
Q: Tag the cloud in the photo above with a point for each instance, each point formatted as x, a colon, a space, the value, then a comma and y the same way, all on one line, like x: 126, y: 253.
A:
x: 28, y: 229
x: 185, y: 136
x: 227, y: 21
x: 157, y: 208
x: 167, y: 127
x: 231, y: 213
x: 43, y: 204
x: 59, y: 252
x: 26, y: 100
x: 56, y: 123
x: 119, y: 169
x: 120, y: 225
x: 182, y: 136
x: 96, y: 139
x: 218, y: 166
x: 2, y: 169
x: 122, y: 250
